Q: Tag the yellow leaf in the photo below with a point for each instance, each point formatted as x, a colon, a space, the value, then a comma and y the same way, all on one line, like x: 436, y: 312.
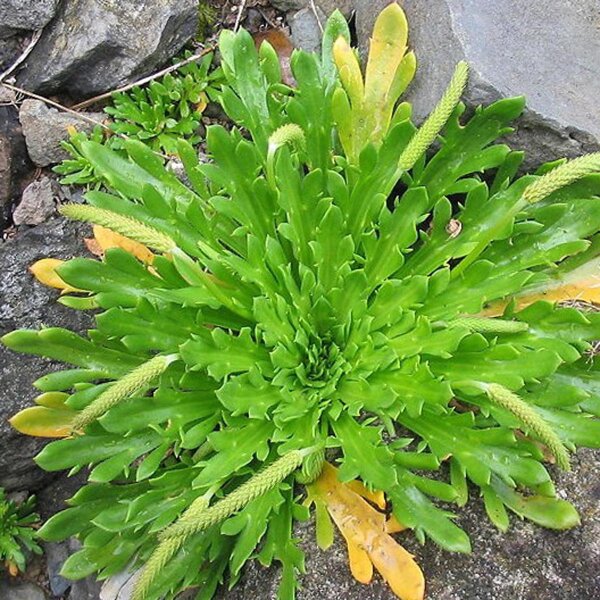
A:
x: 386, y: 51
x: 202, y: 104
x: 364, y: 529
x: 13, y: 570
x: 394, y: 526
x: 582, y: 284
x: 361, y: 566
x: 404, y: 75
x: 376, y: 497
x: 44, y: 271
x: 42, y: 421
x: 109, y: 239
x: 52, y: 399
x: 349, y: 69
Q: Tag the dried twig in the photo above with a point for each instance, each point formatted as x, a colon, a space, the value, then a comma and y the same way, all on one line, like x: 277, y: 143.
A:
x: 23, y: 56
x: 238, y: 19
x: 314, y: 10
x: 79, y: 115
x: 144, y: 80
x: 266, y: 18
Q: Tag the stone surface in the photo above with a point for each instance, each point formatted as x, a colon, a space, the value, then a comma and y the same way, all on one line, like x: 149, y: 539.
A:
x: 14, y: 163
x: 289, y: 5
x: 85, y: 589
x: 26, y: 303
x: 25, y: 14
x: 327, y: 6
x: 304, y: 25
x: 52, y: 499
x: 546, y: 50
x: 10, y: 48
x: 526, y: 563
x: 20, y: 591
x: 45, y: 128
x: 56, y: 555
x: 38, y: 202
x: 92, y: 46
x: 119, y: 587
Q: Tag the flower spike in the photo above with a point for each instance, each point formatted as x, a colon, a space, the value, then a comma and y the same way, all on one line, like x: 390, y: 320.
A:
x: 561, y: 176
x: 434, y: 123
x: 130, y: 228
x: 130, y: 385
x: 510, y: 401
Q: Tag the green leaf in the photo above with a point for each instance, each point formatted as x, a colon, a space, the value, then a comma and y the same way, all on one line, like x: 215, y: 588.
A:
x: 235, y: 448
x: 249, y: 526
x: 552, y: 513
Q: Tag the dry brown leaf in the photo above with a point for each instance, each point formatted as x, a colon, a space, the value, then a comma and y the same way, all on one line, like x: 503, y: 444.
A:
x: 282, y: 44
x: 93, y: 246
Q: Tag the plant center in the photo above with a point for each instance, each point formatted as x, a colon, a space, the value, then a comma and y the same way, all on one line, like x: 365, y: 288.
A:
x: 323, y: 367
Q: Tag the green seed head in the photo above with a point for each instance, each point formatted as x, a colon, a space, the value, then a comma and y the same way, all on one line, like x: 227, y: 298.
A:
x: 561, y: 176
x: 130, y: 385
x: 430, y: 129
x: 130, y: 228
x: 531, y: 420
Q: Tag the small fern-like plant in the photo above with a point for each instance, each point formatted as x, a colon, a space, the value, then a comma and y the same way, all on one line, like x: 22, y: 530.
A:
x: 158, y: 114
x: 78, y: 170
x: 17, y: 533
x: 324, y: 283
x: 165, y: 110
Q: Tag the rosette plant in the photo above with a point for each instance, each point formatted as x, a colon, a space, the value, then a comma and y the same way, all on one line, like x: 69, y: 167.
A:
x: 324, y: 284
x: 164, y: 111
x: 17, y: 533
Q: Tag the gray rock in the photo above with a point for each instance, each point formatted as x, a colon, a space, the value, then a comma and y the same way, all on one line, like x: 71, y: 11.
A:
x: 25, y: 14
x: 38, y: 202
x: 92, y: 46
x: 56, y: 555
x: 10, y: 48
x: 119, y: 587
x: 14, y: 163
x: 26, y: 303
x: 20, y: 591
x: 546, y: 50
x: 306, y: 32
x: 366, y: 11
x: 7, y: 96
x: 85, y: 589
x: 526, y: 563
x: 45, y: 128
x: 327, y: 6
x: 52, y: 499
x: 346, y: 7
x: 289, y: 5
